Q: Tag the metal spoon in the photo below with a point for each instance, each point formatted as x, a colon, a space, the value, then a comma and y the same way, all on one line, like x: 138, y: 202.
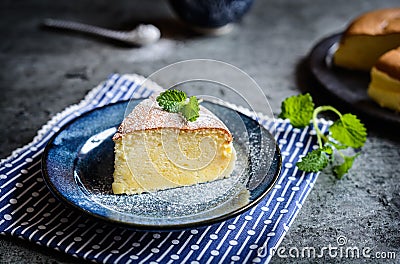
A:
x: 141, y: 35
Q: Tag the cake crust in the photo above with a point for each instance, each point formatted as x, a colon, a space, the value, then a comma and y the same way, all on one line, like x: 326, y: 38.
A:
x: 378, y: 22
x: 148, y: 115
x: 390, y: 63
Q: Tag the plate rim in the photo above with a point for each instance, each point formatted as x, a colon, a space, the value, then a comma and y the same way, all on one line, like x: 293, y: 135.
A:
x: 315, y: 59
x: 60, y: 196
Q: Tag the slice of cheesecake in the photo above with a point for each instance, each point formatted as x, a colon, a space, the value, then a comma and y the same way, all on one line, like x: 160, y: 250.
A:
x: 384, y: 87
x: 157, y: 150
x: 367, y: 38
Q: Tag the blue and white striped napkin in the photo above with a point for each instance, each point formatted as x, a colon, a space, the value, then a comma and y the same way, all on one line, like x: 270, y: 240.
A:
x: 29, y: 211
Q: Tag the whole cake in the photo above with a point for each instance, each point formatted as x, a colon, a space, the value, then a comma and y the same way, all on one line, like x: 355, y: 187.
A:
x: 384, y: 87
x: 157, y: 150
x: 367, y: 38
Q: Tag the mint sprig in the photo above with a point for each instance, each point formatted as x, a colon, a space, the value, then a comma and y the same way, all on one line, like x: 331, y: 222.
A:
x: 176, y: 101
x: 171, y: 100
x: 349, y: 131
x: 315, y: 161
x: 342, y: 169
x: 191, y: 110
x: 298, y: 109
x: 346, y: 132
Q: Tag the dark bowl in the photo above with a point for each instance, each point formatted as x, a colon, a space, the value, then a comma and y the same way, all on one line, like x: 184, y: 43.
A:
x: 210, y: 14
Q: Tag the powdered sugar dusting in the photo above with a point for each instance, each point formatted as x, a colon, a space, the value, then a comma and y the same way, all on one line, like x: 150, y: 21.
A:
x: 149, y: 115
x: 207, y: 198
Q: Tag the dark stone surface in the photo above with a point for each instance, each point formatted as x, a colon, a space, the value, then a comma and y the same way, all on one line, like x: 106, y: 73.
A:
x: 44, y: 71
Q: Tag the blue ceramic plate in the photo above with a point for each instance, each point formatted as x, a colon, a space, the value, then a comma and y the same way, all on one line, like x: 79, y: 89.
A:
x: 78, y: 164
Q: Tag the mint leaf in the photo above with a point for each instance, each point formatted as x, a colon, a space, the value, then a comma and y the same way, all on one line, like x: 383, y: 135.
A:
x: 343, y: 168
x: 171, y: 100
x: 191, y: 110
x: 327, y: 149
x: 346, y: 132
x: 298, y: 109
x: 175, y: 101
x: 314, y: 161
x: 349, y: 131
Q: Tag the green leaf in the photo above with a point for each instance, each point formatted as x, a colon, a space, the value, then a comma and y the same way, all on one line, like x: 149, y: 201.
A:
x: 171, y: 100
x: 191, y: 110
x: 343, y: 168
x: 346, y: 132
x: 175, y: 101
x: 327, y: 149
x: 314, y: 161
x: 349, y: 131
x: 298, y: 109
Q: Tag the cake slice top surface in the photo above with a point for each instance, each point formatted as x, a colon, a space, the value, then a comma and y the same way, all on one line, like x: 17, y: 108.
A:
x: 378, y: 22
x: 148, y: 115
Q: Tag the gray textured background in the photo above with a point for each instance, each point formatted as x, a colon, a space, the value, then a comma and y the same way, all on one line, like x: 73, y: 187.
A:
x: 45, y: 71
